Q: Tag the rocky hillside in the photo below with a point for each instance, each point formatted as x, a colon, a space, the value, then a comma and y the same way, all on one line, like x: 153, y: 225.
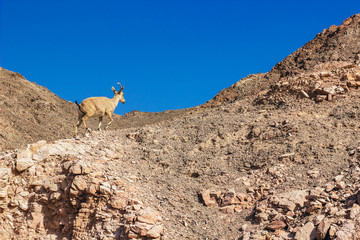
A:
x: 30, y: 113
x: 337, y: 43
x: 321, y: 62
x: 275, y: 156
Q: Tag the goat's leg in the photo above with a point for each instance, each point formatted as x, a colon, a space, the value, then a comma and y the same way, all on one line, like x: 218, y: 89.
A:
x: 100, y: 120
x: 76, y: 128
x: 78, y: 124
x: 84, y: 121
x: 111, y: 119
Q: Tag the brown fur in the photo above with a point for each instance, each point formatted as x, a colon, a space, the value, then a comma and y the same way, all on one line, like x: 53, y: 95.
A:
x: 98, y: 107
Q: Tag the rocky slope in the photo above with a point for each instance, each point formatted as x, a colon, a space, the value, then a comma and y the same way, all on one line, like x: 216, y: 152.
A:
x: 30, y: 113
x: 275, y: 156
x: 226, y: 173
x: 329, y: 52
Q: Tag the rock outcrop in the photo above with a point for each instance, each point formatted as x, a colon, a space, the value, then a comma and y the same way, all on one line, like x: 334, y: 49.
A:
x: 52, y: 190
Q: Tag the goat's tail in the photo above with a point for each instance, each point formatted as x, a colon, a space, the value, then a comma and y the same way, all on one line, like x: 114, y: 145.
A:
x: 78, y: 106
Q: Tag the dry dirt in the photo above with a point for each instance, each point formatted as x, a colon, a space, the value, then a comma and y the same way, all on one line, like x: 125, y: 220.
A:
x: 275, y: 156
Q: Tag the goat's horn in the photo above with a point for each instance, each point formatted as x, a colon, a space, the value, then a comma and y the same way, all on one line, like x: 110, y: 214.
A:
x: 121, y: 88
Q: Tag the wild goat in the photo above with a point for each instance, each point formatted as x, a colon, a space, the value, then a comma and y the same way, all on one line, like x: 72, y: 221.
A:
x: 98, y: 107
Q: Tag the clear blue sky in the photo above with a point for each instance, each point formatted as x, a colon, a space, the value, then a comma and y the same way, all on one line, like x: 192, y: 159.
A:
x: 167, y: 54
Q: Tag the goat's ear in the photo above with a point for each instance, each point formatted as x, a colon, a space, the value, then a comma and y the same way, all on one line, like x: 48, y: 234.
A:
x: 113, y: 89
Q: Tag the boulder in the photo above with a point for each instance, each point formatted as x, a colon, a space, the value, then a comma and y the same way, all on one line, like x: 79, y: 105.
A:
x: 155, y: 232
x: 276, y: 225
x: 307, y: 232
x: 347, y: 231
x: 290, y: 200
x: 23, y: 163
x: 209, y: 199
x: 323, y: 228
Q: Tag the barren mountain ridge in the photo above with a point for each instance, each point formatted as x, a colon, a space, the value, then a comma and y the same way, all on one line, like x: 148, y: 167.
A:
x: 274, y: 156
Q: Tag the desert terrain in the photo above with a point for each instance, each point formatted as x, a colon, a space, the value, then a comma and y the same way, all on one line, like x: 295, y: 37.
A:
x: 274, y: 156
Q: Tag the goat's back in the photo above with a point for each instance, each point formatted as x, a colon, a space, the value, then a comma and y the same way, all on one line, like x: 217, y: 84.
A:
x: 98, y: 106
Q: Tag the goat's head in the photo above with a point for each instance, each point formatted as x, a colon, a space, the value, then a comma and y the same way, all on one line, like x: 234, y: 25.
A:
x: 119, y: 94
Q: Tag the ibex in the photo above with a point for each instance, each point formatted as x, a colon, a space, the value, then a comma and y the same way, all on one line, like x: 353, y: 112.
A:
x: 98, y: 107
